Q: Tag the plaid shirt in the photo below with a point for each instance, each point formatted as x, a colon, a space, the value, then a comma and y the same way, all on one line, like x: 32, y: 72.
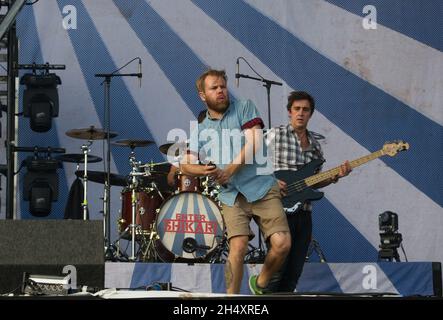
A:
x: 287, y: 153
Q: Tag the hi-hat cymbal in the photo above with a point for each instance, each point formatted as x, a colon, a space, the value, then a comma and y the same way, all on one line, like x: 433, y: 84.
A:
x: 78, y: 158
x: 90, y: 133
x: 100, y: 177
x: 170, y: 147
x: 132, y: 143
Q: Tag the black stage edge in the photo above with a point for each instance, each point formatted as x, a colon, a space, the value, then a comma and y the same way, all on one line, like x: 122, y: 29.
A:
x: 46, y: 247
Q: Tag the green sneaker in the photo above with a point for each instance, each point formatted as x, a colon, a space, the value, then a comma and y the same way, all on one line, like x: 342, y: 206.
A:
x: 253, y: 286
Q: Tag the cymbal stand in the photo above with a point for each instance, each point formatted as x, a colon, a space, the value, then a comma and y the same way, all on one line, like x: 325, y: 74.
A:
x: 85, y: 149
x: 148, y: 252
x: 107, y: 118
x: 133, y: 186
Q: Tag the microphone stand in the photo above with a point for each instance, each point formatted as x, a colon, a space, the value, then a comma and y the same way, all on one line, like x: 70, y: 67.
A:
x: 267, y: 84
x: 107, y: 197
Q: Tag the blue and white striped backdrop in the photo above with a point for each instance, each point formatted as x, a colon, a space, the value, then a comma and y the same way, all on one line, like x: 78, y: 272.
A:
x: 371, y: 86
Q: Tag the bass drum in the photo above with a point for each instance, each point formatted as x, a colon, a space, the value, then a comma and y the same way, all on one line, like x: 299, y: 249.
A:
x: 190, y: 227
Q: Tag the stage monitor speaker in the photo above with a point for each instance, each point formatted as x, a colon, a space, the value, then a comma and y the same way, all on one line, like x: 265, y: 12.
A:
x: 51, y: 247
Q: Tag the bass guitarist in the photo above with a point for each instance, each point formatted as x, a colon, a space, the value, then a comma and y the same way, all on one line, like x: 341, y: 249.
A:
x: 293, y: 147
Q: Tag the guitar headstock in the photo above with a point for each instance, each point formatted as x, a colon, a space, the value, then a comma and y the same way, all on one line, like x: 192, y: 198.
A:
x: 392, y: 148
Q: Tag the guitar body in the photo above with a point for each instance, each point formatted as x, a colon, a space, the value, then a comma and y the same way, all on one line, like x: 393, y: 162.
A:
x: 294, y: 201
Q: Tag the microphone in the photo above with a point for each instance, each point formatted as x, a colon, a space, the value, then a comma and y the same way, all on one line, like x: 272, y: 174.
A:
x: 140, y: 72
x: 237, y: 75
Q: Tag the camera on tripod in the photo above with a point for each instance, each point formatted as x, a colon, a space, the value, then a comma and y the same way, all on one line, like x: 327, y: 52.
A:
x: 390, y: 238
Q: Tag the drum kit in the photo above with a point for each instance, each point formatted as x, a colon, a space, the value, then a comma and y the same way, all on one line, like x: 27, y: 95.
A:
x: 180, y: 225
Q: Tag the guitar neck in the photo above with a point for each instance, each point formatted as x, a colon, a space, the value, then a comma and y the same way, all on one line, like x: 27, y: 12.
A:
x: 322, y: 176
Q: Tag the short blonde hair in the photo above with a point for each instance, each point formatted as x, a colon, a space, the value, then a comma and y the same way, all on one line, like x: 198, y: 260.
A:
x: 200, y: 83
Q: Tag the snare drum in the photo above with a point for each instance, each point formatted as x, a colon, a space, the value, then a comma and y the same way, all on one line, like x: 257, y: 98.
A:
x: 147, y: 202
x: 187, y: 183
x: 190, y: 227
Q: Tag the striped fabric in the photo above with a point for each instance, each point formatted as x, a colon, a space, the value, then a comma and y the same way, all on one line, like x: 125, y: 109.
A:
x: 371, y: 86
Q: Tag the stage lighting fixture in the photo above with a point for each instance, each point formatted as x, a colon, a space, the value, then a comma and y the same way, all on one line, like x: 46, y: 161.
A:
x: 40, y: 185
x: 390, y: 238
x: 40, y: 99
x: 44, y: 285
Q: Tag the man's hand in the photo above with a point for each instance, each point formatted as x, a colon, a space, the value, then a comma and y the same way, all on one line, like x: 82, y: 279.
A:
x: 210, y: 170
x: 222, y: 176
x: 345, y: 169
x: 283, y: 187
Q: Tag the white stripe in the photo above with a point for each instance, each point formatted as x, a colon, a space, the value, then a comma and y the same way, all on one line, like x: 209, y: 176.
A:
x: 353, y: 278
x: 218, y: 49
x: 76, y: 106
x: 401, y: 66
x: 119, y: 275
x: 157, y: 99
x: 196, y: 278
x: 373, y: 188
x: 360, y: 197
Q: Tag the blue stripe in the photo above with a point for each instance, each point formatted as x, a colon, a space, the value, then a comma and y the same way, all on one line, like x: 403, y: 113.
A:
x: 218, y: 283
x: 366, y: 113
x: 403, y: 276
x: 168, y: 215
x: 174, y: 57
x: 126, y: 119
x: 30, y: 51
x: 339, y: 240
x: 212, y: 216
x: 147, y: 273
x: 420, y: 20
x: 199, y: 237
x: 309, y: 282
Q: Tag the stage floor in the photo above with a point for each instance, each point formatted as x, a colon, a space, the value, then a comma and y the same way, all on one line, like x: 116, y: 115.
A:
x: 399, y: 279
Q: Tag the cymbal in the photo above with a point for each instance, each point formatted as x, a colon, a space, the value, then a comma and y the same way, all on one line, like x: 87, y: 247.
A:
x: 132, y: 143
x: 90, y: 133
x: 177, y: 146
x: 100, y: 177
x: 77, y: 158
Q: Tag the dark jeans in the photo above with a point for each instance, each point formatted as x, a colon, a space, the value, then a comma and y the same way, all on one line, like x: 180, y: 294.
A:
x: 300, y: 225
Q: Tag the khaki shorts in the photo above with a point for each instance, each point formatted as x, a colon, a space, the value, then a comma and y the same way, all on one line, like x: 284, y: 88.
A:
x: 267, y: 212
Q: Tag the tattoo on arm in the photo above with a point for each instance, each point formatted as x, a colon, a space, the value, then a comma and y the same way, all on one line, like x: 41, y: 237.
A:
x: 228, y: 274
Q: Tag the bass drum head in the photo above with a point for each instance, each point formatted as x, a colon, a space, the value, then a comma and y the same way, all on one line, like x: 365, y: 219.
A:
x: 188, y: 217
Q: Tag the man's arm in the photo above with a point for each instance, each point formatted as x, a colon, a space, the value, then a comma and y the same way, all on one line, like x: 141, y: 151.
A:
x: 189, y: 165
x: 345, y: 169
x: 253, y: 143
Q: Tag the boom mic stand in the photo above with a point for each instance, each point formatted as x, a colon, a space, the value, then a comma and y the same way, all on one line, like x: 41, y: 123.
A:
x: 267, y: 84
x: 107, y: 96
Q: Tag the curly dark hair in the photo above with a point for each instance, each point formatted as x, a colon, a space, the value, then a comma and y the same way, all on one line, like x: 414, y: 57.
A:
x: 300, y: 95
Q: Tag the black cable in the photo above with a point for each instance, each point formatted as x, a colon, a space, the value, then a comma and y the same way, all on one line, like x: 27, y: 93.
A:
x: 403, y: 249
x: 31, y: 3
x: 251, y: 67
x: 113, y: 72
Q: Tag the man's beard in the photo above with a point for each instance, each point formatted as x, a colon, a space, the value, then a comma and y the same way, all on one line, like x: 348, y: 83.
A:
x: 218, y: 106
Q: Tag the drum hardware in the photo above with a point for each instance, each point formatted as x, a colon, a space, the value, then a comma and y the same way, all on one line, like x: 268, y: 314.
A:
x: 100, y: 177
x: 84, y: 158
x: 221, y: 252
x: 88, y: 134
x: 147, y: 247
x: 132, y: 143
x: 135, y: 176
x: 174, y: 149
x: 78, y: 158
